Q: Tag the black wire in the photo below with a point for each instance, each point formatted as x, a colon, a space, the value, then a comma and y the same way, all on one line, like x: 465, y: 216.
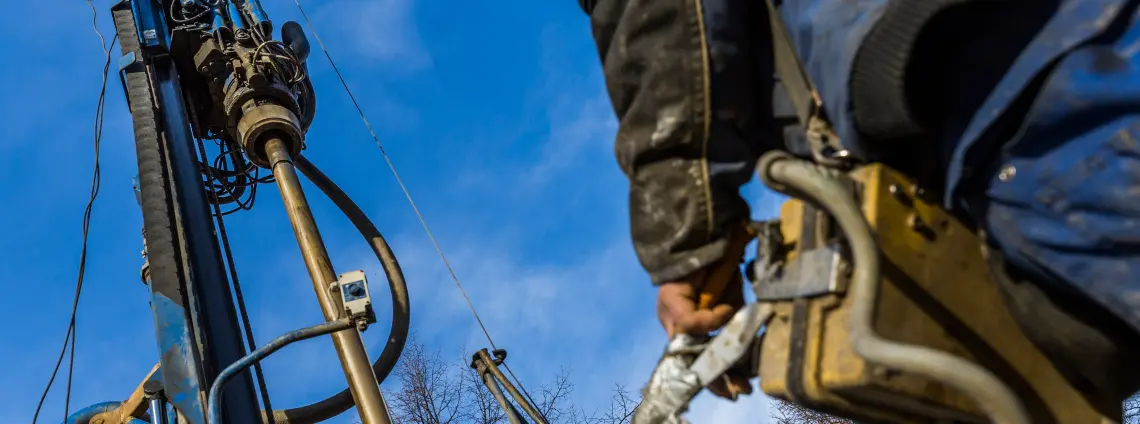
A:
x: 184, y: 20
x: 69, y: 336
x: 247, y: 327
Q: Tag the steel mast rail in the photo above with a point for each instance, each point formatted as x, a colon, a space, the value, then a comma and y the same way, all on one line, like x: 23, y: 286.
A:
x: 196, y: 70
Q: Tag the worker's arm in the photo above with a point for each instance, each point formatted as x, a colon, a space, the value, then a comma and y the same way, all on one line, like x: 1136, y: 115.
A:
x: 684, y: 80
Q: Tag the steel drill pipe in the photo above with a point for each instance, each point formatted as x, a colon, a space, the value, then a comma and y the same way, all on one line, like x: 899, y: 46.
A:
x: 349, y: 346
x: 522, y: 401
x: 398, y: 288
x: 493, y: 387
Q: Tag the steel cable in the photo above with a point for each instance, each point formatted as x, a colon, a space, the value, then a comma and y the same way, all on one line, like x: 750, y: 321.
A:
x: 408, y: 195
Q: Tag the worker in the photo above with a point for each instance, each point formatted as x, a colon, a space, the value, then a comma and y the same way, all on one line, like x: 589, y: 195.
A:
x: 1023, y: 115
x: 692, y: 88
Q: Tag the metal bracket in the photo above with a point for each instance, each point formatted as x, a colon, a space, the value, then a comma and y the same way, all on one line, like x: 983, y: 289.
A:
x: 135, y: 406
x: 353, y: 288
x: 129, y: 63
x: 814, y: 272
x: 678, y: 377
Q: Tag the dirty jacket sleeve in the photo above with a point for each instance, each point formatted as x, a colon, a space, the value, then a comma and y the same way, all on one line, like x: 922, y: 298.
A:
x: 681, y: 76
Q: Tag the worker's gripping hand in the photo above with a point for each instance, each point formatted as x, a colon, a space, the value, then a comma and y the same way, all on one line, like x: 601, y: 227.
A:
x: 677, y: 310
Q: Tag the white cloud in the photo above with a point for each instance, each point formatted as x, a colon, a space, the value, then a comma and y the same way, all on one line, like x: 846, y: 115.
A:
x: 382, y: 31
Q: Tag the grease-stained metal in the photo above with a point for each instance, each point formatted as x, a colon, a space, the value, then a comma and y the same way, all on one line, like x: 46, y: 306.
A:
x: 731, y: 345
x: 678, y: 378
x: 349, y: 346
x: 134, y: 407
x: 815, y: 272
x: 195, y: 322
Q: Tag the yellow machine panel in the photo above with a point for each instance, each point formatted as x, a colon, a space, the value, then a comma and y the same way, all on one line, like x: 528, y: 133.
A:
x: 935, y: 292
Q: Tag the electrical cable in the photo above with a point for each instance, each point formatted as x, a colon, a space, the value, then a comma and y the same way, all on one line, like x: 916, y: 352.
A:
x: 408, y: 195
x: 69, y: 336
x: 231, y: 266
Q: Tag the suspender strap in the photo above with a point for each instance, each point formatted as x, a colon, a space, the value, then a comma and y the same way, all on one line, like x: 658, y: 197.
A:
x: 790, y: 71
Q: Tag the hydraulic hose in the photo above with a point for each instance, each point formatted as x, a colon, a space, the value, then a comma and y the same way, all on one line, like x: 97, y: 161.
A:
x: 826, y: 188
x: 401, y: 306
x: 84, y: 416
x: 214, y: 409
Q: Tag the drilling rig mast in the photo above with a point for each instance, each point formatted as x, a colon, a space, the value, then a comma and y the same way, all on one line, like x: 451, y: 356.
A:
x: 201, y: 73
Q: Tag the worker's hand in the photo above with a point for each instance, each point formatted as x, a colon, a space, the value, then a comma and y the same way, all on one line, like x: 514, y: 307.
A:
x: 677, y: 310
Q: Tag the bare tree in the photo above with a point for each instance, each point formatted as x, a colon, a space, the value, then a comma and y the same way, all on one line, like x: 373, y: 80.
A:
x: 432, y: 390
x: 622, y: 405
x: 790, y: 413
x: 428, y: 392
x: 553, y: 404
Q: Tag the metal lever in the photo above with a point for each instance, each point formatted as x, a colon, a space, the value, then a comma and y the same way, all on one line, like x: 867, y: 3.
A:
x: 676, y: 380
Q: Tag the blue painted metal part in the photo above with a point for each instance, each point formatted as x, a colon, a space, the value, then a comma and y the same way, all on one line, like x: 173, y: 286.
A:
x: 257, y: 355
x: 153, y: 32
x: 253, y: 7
x: 235, y: 16
x: 218, y: 21
x: 195, y: 321
x: 84, y: 416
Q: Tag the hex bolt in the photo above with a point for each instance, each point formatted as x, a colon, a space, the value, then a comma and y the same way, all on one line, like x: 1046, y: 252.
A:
x: 152, y: 388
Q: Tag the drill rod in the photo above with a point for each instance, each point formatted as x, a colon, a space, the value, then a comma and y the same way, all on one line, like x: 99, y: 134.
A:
x: 489, y: 381
x: 522, y: 401
x: 349, y: 346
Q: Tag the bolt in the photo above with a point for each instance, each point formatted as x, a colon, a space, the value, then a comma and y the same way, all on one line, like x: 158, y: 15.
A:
x: 152, y: 388
x: 1007, y: 173
x: 900, y: 195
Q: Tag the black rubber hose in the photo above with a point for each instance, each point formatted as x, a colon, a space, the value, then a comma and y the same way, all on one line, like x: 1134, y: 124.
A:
x: 401, y: 307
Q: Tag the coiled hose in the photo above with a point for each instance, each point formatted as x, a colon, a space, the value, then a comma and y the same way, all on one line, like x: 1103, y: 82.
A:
x: 401, y: 307
x: 826, y: 188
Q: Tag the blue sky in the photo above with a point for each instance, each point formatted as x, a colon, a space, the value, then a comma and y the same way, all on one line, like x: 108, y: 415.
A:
x: 494, y: 113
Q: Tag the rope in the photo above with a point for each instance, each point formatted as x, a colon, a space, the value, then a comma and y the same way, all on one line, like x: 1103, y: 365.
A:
x: 408, y: 195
